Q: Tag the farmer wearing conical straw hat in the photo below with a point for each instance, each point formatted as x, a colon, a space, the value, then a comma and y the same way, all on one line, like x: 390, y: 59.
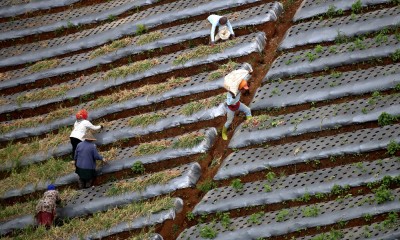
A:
x: 85, y: 156
x: 235, y: 83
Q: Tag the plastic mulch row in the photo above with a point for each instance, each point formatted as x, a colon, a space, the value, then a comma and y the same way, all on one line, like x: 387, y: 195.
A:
x: 124, y: 159
x: 152, y: 17
x: 328, y: 30
x: 93, y: 83
x: 167, y: 36
x: 280, y: 94
x: 76, y: 16
x: 136, y: 223
x: 243, y: 162
x: 331, y: 116
x: 311, y: 8
x: 311, y: 60
x: 196, y: 84
x: 362, y: 232
x: 292, y: 219
x: 12, y: 8
x: 98, y: 198
x: 294, y: 186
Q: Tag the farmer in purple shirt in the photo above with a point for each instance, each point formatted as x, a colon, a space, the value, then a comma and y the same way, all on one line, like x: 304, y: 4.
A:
x: 85, y: 156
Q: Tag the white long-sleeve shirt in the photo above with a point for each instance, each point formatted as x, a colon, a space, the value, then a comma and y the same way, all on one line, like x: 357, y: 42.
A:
x: 80, y: 128
x: 214, y: 20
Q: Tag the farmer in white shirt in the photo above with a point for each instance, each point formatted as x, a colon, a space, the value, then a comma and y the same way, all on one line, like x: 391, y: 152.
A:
x: 235, y: 83
x: 80, y: 127
x: 225, y: 30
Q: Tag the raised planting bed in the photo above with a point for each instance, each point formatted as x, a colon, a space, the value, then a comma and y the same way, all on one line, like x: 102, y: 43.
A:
x: 311, y: 8
x: 278, y: 189
x: 9, y: 8
x: 328, y: 30
x: 134, y: 215
x: 151, y: 18
x: 320, y: 58
x: 264, y: 128
x: 243, y: 162
x: 278, y: 94
x: 378, y: 230
x: 260, y: 225
x: 132, y: 45
x: 117, y: 159
x: 122, y: 192
x: 69, y: 18
x: 240, y: 46
x: 119, y: 101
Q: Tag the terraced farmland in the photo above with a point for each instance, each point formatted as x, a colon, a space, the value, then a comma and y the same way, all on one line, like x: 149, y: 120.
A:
x: 320, y: 159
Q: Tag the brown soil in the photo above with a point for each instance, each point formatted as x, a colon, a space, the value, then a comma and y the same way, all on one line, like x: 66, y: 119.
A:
x: 191, y: 196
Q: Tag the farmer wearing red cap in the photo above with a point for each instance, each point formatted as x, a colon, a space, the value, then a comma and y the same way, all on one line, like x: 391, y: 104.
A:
x: 80, y: 127
x: 236, y: 83
x: 46, y: 207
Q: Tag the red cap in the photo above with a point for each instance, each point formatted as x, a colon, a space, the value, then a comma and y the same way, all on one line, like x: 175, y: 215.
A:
x: 82, y: 114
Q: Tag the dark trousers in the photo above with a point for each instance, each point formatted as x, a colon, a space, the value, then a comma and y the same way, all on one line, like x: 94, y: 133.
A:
x: 85, y: 183
x: 74, y: 143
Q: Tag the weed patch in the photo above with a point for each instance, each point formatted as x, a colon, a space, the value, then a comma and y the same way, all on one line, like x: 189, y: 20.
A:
x: 202, y: 51
x: 115, y: 45
x: 141, y: 183
x: 133, y: 68
x: 152, y: 148
x: 222, y: 70
x: 35, y: 121
x: 48, y: 93
x: 44, y: 65
x: 146, y: 119
x: 148, y: 38
x: 13, y: 152
x: 35, y: 173
x: 188, y: 141
x: 80, y: 227
x: 196, y: 106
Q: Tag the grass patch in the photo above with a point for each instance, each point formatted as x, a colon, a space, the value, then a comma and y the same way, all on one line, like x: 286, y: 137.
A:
x: 146, y: 119
x: 115, y: 45
x: 222, y: 70
x: 203, y: 50
x: 141, y: 183
x: 132, y: 93
x: 81, y: 227
x: 35, y: 173
x: 3, y: 101
x: 13, y: 152
x: 35, y: 121
x: 193, y: 107
x: 44, y: 65
x: 18, y: 209
x: 48, y: 93
x: 148, y: 38
x: 133, y: 68
x: 188, y: 141
x: 152, y: 147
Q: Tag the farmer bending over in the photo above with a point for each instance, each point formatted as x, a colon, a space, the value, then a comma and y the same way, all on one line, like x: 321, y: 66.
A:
x: 236, y: 83
x: 46, y: 207
x: 225, y: 30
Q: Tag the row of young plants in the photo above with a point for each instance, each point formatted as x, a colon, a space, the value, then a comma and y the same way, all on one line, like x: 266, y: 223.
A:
x: 81, y: 227
x: 56, y: 167
x: 113, y: 98
x: 381, y: 194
